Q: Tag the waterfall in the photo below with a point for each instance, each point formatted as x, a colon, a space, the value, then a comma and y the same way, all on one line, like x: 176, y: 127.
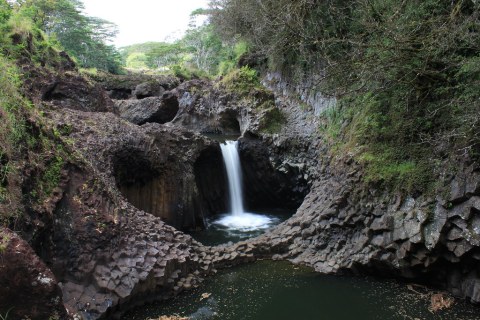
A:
x: 237, y: 218
x: 234, y: 174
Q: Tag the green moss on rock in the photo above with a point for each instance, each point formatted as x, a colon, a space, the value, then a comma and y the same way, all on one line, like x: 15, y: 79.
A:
x: 272, y: 121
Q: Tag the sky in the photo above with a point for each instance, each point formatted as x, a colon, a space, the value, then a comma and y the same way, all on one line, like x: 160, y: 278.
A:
x: 141, y: 21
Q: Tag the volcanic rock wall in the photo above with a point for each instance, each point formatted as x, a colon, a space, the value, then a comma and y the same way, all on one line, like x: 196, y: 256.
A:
x: 347, y: 226
x: 109, y: 246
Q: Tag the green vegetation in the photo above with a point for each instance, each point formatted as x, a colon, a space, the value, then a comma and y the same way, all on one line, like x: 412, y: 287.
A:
x: 18, y: 139
x: 49, y: 177
x: 241, y: 80
x: 406, y: 75
x: 13, y: 128
x: 57, y: 25
x: 200, y: 53
x: 272, y: 120
x: 17, y: 34
x: 26, y: 145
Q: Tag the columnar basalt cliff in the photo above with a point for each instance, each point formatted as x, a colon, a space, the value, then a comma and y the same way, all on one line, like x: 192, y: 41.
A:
x: 111, y: 236
x: 345, y: 225
x: 109, y: 230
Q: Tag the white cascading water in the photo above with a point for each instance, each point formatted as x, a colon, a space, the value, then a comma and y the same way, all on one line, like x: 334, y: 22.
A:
x: 238, y: 219
x: 232, y: 163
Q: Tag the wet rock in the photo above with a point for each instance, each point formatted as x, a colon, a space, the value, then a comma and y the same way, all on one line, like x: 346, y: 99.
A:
x: 269, y: 186
x: 471, y: 288
x: 382, y: 240
x: 455, y: 234
x: 464, y: 210
x: 433, y: 230
x: 383, y: 223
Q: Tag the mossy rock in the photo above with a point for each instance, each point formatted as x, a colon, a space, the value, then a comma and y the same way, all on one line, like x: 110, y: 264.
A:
x: 272, y: 120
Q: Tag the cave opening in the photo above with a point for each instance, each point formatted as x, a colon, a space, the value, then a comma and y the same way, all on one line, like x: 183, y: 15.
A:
x: 229, y: 123
x: 163, y: 109
x: 137, y: 180
x: 211, y: 181
x: 194, y: 198
x: 271, y: 196
x: 156, y: 189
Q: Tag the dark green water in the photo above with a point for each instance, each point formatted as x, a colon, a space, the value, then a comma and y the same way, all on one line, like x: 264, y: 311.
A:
x: 269, y: 290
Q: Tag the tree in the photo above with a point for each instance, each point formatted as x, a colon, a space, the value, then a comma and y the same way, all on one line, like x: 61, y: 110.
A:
x: 206, y: 48
x: 200, y: 51
x: 165, y: 54
x: 136, y: 60
x: 85, y: 38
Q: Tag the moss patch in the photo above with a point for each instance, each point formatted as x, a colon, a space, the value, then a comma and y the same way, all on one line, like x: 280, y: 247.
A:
x: 4, y: 241
x: 272, y: 121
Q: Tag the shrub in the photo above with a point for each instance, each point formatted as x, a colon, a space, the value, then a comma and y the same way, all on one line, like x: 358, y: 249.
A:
x: 13, y: 132
x: 406, y: 73
x: 241, y: 80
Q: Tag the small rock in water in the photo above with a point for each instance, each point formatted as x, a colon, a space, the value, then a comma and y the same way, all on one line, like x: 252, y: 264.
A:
x: 439, y: 301
x: 205, y: 296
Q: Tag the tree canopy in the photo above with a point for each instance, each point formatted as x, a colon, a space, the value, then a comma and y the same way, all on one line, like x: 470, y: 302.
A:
x: 200, y: 51
x: 84, y: 38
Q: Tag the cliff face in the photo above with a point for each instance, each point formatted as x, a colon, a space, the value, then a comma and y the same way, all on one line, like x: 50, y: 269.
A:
x: 108, y: 232
x: 345, y: 225
x: 110, y: 229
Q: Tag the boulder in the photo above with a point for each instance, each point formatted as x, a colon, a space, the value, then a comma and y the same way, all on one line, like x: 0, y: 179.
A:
x: 66, y: 90
x: 28, y: 288
x: 152, y: 109
x: 148, y: 89
x: 131, y: 86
